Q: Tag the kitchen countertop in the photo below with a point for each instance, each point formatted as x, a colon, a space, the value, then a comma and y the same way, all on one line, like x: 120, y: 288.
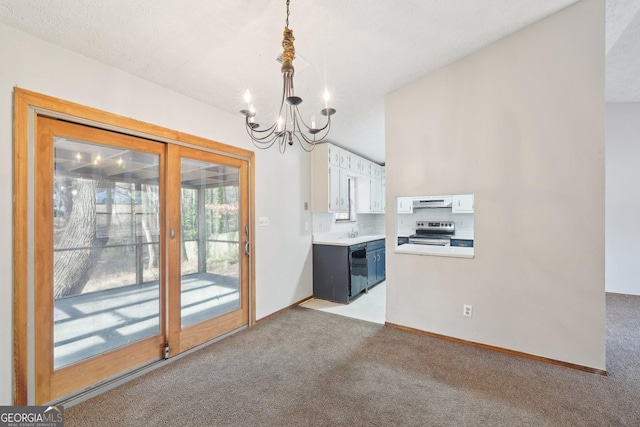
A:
x: 450, y: 251
x: 344, y: 240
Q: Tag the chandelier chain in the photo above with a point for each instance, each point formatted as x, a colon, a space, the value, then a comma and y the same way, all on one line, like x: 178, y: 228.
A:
x: 287, y: 14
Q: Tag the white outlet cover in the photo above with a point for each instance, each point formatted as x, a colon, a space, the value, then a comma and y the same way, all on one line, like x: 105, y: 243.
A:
x: 263, y: 221
x: 467, y: 310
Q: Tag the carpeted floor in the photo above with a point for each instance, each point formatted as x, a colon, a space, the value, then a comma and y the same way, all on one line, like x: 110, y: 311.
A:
x: 309, y: 368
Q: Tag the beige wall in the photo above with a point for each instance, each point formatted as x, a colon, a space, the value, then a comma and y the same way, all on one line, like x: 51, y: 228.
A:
x: 520, y: 125
x: 283, y: 250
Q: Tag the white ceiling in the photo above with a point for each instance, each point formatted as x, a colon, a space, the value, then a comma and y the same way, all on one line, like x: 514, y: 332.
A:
x: 359, y: 49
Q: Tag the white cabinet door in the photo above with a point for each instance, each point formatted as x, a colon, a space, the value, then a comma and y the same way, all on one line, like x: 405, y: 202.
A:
x: 376, y: 171
x: 344, y: 191
x: 405, y: 205
x: 355, y: 163
x: 384, y: 190
x: 344, y: 159
x: 334, y: 188
x: 334, y: 155
x: 462, y: 203
x: 376, y: 195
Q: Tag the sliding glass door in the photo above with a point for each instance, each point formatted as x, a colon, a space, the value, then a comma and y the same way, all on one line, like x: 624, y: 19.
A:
x: 139, y: 246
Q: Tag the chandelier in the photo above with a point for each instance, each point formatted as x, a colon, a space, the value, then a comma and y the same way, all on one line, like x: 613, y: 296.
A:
x: 289, y: 126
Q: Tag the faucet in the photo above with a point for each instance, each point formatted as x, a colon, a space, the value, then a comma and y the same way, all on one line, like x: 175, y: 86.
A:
x: 354, y: 232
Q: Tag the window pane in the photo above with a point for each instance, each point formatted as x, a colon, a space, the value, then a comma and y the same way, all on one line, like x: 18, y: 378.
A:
x: 106, y: 248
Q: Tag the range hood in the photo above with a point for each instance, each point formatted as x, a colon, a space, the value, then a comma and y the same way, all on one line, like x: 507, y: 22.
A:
x: 432, y: 202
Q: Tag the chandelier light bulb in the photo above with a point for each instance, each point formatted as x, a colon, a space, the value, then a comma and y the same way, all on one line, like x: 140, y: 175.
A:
x: 280, y: 124
x: 313, y: 121
x: 247, y: 98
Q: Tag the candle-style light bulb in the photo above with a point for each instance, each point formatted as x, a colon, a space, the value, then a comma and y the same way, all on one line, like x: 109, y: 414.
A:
x: 313, y: 121
x: 280, y: 124
x: 327, y: 96
x: 247, y: 99
x: 252, y: 114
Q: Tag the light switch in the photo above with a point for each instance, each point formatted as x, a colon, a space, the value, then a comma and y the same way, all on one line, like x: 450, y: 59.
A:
x: 263, y: 221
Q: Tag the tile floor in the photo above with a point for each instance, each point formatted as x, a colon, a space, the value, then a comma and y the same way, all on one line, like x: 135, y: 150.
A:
x: 370, y: 307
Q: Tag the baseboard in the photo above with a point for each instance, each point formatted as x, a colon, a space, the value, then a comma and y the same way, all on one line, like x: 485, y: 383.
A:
x: 274, y: 314
x: 622, y: 294
x: 500, y: 350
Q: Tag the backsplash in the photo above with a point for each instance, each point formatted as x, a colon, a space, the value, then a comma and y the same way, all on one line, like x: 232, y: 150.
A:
x: 406, y: 223
x: 365, y: 224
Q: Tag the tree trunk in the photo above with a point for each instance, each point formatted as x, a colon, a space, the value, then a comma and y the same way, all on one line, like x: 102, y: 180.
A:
x: 72, y: 268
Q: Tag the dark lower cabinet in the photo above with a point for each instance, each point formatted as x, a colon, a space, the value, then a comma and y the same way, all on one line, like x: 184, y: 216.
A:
x: 343, y: 273
x: 376, y: 262
x: 331, y: 273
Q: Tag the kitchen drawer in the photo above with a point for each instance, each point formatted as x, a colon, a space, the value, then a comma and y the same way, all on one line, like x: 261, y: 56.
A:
x: 465, y: 243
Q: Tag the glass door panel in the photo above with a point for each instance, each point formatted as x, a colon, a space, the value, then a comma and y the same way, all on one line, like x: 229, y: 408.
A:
x: 106, y: 215
x: 98, y: 226
x: 208, y: 247
x: 210, y: 253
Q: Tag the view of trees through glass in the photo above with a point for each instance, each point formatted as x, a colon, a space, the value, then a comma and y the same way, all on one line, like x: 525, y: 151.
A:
x: 210, y: 239
x: 106, y: 248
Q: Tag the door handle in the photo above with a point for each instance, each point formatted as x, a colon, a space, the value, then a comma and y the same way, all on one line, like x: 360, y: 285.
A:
x: 246, y: 248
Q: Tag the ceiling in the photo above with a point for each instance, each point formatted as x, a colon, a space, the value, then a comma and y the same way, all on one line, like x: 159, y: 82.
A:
x: 359, y: 49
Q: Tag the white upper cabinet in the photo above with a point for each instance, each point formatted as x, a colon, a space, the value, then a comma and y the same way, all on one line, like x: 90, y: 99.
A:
x: 334, y: 153
x: 405, y: 205
x: 384, y: 190
x: 369, y: 195
x: 357, y: 164
x: 331, y: 169
x: 345, y: 157
x: 462, y: 203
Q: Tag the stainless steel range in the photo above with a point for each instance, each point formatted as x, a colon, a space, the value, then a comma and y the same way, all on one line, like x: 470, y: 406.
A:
x: 437, y: 233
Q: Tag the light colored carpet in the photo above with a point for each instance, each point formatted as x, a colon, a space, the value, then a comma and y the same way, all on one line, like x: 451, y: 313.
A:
x: 311, y: 368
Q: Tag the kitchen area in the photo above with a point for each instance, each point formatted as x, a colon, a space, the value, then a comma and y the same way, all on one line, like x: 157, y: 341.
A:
x: 440, y: 225
x: 348, y: 206
x: 348, y: 210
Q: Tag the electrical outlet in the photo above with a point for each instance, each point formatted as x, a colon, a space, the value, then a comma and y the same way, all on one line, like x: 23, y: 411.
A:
x: 263, y: 221
x: 467, y: 310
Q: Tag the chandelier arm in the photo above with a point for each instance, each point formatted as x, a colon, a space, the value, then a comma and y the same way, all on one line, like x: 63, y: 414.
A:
x: 307, y: 143
x: 263, y: 145
x: 266, y: 132
x: 253, y: 131
x: 268, y: 139
x: 300, y: 133
x: 326, y: 127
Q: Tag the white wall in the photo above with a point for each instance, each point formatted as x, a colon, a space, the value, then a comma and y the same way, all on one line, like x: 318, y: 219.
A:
x: 283, y: 250
x: 520, y: 124
x: 623, y: 198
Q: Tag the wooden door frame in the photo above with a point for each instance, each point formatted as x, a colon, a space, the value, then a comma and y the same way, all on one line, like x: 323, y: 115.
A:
x: 27, y: 105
